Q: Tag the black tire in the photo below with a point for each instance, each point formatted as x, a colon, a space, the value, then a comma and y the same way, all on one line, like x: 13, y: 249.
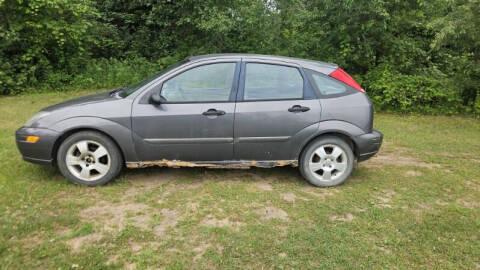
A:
x: 114, y: 157
x: 313, y: 146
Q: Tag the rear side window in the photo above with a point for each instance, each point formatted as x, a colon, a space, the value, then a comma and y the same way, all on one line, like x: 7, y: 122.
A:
x: 211, y: 82
x: 327, y: 85
x: 272, y: 82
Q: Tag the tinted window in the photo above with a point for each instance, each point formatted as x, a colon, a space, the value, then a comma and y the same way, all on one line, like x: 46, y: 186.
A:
x: 205, y: 83
x: 264, y: 81
x: 327, y: 85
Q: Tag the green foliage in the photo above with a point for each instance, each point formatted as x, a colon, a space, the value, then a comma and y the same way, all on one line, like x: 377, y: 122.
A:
x: 109, y: 73
x: 423, y: 92
x: 38, y: 37
x: 410, y: 55
x: 458, y: 37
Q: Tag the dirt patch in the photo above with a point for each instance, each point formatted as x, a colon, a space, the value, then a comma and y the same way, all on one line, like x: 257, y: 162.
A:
x: 200, y: 250
x: 113, y: 215
x: 424, y: 206
x: 441, y: 203
x: 397, y: 158
x: 170, y: 219
x: 112, y: 259
x: 358, y: 209
x: 31, y: 242
x: 64, y: 231
x: 282, y: 254
x: 264, y: 185
x: 193, y: 206
x: 211, y: 221
x: 385, y: 250
x: 76, y: 244
x: 271, y: 212
x: 135, y: 247
x: 385, y: 198
x: 141, y: 221
x: 468, y: 204
x: 412, y: 173
x: 473, y: 185
x: 131, y: 266
x: 345, y: 218
x: 421, y: 208
x: 289, y: 197
x: 320, y: 192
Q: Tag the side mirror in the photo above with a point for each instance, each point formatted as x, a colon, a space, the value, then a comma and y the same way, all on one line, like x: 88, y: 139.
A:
x: 157, y: 99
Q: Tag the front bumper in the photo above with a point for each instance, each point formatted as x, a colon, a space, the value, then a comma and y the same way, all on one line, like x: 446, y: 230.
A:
x: 39, y: 152
x: 367, y: 145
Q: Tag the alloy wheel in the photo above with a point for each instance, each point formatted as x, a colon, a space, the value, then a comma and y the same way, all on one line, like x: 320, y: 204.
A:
x: 328, y: 162
x: 88, y: 160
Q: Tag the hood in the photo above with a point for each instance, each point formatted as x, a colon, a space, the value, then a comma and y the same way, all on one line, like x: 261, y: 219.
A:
x: 81, y: 101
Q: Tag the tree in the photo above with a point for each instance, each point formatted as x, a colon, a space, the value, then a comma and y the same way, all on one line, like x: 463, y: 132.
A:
x: 458, y: 36
x: 37, y: 37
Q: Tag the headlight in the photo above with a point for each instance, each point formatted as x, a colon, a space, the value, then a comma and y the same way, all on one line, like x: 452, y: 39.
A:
x: 35, y: 118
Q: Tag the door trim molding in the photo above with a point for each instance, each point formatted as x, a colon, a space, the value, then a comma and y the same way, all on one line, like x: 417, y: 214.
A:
x: 262, y: 139
x: 189, y: 140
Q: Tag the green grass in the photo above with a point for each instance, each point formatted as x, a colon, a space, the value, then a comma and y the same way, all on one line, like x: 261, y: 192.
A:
x: 416, y: 205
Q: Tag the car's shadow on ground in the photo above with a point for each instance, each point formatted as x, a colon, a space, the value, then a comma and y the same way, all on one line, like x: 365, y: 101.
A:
x: 187, y: 175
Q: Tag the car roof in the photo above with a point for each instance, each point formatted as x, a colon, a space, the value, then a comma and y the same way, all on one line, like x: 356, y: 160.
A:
x: 299, y: 61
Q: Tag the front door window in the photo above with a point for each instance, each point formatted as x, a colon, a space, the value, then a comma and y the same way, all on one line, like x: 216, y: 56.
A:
x: 208, y: 83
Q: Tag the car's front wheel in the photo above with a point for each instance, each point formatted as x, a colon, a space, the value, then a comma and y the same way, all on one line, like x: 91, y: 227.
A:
x: 327, y: 161
x: 89, y: 158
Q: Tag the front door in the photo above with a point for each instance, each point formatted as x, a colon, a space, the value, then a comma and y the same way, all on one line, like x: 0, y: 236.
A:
x: 195, y: 121
x: 272, y: 112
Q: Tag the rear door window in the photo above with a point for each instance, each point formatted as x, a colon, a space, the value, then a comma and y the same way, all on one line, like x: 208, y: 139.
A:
x: 272, y: 82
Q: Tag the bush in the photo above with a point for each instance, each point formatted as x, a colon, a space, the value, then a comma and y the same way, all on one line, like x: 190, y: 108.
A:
x: 425, y: 92
x: 108, y: 73
x: 102, y: 73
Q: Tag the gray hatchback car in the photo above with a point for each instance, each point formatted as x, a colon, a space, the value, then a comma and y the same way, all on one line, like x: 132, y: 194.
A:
x: 214, y: 111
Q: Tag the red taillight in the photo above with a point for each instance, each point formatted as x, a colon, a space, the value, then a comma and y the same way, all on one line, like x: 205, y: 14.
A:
x: 342, y: 76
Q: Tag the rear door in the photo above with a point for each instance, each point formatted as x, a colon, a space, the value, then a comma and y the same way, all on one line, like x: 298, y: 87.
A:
x: 274, y: 104
x: 195, y: 123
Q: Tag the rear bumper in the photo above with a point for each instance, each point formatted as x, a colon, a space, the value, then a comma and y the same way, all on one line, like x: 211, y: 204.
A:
x: 368, y: 144
x: 39, y: 152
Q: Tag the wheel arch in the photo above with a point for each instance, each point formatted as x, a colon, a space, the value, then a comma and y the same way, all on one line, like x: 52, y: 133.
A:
x: 72, y: 131
x: 341, y: 129
x: 341, y: 135
x: 118, y: 131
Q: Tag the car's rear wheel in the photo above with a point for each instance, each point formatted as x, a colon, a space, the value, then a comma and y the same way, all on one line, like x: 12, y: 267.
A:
x: 327, y: 161
x: 89, y: 158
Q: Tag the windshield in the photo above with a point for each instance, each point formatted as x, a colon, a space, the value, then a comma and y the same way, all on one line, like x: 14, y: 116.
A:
x: 134, y: 87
